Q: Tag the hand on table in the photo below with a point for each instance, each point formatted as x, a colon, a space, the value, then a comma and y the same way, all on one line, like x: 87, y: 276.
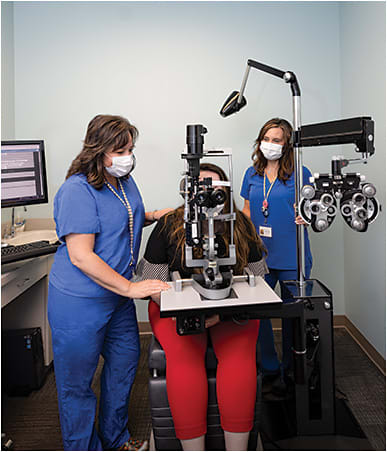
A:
x: 146, y: 288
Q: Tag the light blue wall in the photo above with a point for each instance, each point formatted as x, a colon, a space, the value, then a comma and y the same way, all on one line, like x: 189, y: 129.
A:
x: 363, y: 87
x: 7, y: 81
x: 165, y: 65
x: 7, y: 72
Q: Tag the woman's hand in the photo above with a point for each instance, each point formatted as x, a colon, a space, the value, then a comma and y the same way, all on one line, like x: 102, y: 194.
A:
x: 211, y: 321
x: 146, y: 288
x: 299, y: 219
x: 157, y: 214
x: 246, y: 208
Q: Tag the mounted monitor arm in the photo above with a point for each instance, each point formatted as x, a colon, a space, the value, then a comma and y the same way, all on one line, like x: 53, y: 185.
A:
x: 236, y: 101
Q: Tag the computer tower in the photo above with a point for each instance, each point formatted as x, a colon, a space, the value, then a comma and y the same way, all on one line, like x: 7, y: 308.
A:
x: 23, y: 368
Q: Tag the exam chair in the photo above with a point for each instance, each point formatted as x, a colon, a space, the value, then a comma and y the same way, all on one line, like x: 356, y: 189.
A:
x: 162, y: 422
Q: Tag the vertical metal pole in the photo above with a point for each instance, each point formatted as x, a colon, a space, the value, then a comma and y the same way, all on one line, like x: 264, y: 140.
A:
x: 13, y: 222
x: 211, y: 239
x: 299, y: 348
x: 298, y: 185
x: 231, y: 200
x: 186, y: 207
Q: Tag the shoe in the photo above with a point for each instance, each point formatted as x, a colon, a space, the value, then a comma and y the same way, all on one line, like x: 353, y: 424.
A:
x: 279, y: 386
x: 282, y: 385
x: 267, y: 382
x: 134, y: 444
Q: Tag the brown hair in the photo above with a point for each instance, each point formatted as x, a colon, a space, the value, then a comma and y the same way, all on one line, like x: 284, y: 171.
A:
x: 286, y: 162
x: 104, y: 133
x: 244, y: 231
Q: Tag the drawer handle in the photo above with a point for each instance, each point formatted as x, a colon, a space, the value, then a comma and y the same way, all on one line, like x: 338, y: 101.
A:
x: 21, y: 284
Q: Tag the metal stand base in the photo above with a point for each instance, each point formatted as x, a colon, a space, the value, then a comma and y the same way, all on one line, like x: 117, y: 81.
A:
x: 278, y: 429
x: 312, y: 418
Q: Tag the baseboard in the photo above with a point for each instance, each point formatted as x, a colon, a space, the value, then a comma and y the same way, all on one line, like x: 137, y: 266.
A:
x: 339, y: 321
x: 144, y: 328
x: 366, y: 346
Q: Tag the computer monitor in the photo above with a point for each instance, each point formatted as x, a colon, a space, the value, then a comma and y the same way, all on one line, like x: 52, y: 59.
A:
x: 23, y: 173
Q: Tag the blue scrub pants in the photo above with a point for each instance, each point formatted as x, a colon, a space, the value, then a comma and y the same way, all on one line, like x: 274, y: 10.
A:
x: 82, y: 330
x: 270, y: 363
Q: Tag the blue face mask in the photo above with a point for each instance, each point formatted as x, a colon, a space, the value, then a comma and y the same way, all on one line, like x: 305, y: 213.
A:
x: 122, y: 165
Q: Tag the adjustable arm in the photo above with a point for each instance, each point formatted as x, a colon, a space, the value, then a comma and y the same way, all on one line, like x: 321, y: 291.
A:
x: 288, y: 77
x: 263, y: 67
x: 236, y: 101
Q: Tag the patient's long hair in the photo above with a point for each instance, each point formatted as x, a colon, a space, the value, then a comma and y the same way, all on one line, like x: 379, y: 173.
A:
x: 245, y: 233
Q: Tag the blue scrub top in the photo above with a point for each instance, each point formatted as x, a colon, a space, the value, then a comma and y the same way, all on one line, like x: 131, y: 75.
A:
x: 81, y: 209
x: 282, y: 246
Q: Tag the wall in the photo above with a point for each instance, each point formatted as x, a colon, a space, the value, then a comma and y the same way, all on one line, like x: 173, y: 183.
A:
x: 7, y: 72
x: 363, y: 87
x: 7, y: 81
x: 165, y: 65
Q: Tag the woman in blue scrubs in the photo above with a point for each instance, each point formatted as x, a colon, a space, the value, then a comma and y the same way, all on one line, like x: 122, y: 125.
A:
x: 99, y: 217
x: 269, y: 191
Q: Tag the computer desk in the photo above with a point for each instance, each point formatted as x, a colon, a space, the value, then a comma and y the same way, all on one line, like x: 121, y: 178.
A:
x: 24, y: 290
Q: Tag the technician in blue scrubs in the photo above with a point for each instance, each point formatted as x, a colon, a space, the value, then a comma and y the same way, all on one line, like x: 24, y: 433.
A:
x: 269, y: 192
x: 99, y: 217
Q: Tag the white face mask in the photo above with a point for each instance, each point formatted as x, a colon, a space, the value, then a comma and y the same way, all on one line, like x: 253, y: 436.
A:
x: 122, y: 165
x: 271, y: 151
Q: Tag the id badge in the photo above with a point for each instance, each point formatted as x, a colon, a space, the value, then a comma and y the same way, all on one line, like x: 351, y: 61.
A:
x: 265, y: 231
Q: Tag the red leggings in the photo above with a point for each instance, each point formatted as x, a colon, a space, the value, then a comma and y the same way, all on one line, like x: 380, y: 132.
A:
x: 187, y: 387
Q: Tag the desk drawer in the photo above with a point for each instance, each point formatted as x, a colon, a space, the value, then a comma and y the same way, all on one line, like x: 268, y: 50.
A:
x: 23, y: 279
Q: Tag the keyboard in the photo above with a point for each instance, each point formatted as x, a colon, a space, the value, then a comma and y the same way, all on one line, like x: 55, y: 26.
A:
x: 13, y: 253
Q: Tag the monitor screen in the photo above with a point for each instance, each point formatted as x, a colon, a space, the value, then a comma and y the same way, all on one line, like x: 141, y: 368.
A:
x: 23, y: 173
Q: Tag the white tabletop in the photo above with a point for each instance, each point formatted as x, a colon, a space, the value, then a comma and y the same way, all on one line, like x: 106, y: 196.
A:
x: 189, y: 298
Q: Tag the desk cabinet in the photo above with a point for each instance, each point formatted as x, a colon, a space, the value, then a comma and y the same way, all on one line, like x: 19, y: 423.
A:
x: 24, y: 288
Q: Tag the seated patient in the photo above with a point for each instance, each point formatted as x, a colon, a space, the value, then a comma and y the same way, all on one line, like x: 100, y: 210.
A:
x: 234, y: 343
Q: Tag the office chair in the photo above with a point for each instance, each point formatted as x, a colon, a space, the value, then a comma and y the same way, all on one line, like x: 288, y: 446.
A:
x: 162, y: 422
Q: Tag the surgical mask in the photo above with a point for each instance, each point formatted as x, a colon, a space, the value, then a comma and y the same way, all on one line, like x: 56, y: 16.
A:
x: 122, y: 165
x: 271, y: 151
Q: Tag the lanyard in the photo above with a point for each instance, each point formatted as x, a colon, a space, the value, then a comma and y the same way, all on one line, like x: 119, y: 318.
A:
x: 265, y: 204
x: 128, y: 207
